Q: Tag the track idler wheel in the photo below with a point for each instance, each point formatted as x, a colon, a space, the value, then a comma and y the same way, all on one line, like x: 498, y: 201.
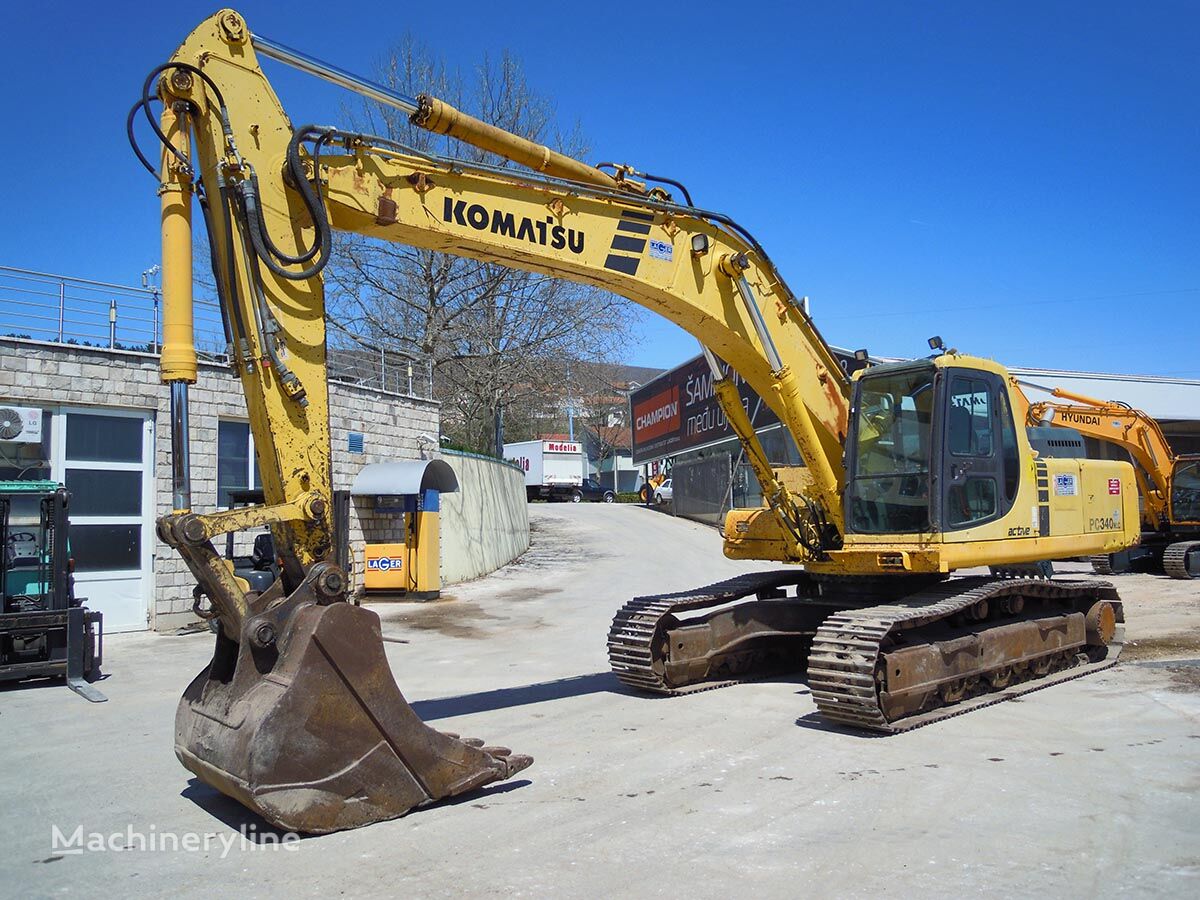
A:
x: 1100, y: 624
x: 307, y: 727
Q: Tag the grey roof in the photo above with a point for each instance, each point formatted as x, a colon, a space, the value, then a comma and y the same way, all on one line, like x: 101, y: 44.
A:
x: 1157, y: 395
x: 408, y: 477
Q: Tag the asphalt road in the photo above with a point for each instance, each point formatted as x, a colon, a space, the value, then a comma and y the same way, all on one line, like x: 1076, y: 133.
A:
x: 1086, y: 789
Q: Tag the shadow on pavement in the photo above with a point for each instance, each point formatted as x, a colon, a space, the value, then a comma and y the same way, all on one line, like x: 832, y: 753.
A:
x: 505, y: 698
x: 575, y: 686
x: 256, y: 829
x: 814, y: 721
x: 483, y: 793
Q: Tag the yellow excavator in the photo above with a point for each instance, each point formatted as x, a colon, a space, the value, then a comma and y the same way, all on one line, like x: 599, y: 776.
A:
x: 646, y: 494
x: 913, y: 470
x: 1169, y: 484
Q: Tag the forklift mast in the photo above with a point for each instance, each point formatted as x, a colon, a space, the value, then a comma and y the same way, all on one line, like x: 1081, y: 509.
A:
x: 45, y: 631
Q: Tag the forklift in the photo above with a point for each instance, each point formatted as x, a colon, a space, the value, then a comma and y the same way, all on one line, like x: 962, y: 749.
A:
x: 45, y: 630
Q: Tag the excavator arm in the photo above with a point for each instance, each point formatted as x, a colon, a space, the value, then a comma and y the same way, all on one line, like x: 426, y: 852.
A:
x: 690, y: 267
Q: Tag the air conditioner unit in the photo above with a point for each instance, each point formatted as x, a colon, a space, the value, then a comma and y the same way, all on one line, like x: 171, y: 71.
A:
x: 20, y: 424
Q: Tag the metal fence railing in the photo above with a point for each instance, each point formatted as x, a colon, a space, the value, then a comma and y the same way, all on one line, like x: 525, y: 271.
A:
x: 65, y: 310
x: 381, y: 369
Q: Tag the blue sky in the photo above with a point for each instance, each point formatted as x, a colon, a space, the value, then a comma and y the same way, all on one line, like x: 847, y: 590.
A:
x: 1022, y: 178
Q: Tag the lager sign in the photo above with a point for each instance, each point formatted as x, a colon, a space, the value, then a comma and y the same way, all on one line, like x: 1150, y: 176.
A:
x: 384, y: 569
x: 678, y: 410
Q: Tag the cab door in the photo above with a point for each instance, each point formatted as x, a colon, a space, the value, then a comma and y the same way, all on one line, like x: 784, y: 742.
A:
x: 973, y: 465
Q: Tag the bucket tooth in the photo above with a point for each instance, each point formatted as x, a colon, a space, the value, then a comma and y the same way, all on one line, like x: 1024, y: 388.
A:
x: 314, y: 735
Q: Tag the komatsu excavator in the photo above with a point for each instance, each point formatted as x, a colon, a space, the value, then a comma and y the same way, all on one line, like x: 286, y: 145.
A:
x: 914, y: 470
x: 1168, y: 484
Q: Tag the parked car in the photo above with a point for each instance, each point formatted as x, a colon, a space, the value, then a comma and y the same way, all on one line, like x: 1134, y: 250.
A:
x: 665, y: 493
x: 592, y: 490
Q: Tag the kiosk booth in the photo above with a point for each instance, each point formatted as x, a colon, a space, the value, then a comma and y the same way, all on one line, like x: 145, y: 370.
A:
x: 409, y: 492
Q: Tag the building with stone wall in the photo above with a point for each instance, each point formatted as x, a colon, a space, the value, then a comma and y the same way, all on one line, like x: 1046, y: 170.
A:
x: 106, y: 435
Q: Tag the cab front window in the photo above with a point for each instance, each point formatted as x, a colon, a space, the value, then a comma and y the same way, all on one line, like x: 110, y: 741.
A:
x: 889, y: 488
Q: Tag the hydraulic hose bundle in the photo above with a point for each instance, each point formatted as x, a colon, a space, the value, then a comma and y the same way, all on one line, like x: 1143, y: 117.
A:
x: 240, y: 200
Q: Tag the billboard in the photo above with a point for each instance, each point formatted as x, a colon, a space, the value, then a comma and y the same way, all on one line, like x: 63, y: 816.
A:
x: 679, y: 411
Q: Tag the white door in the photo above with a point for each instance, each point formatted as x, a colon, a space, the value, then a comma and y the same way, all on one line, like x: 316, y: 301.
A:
x: 105, y: 458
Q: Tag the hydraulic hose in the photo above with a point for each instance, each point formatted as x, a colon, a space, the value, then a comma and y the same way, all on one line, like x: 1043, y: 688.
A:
x: 206, y: 214
x: 226, y: 128
x: 266, y: 324
x: 661, y: 179
x: 133, y: 139
x: 227, y: 200
x: 274, y: 258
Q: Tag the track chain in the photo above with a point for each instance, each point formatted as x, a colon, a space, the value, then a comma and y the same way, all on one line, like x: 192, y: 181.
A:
x: 1043, y: 569
x: 1101, y: 564
x: 842, y: 662
x: 639, y: 623
x: 847, y: 646
x: 1175, y: 559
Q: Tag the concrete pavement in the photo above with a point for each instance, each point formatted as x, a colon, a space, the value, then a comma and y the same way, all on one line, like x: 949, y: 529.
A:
x: 1088, y: 788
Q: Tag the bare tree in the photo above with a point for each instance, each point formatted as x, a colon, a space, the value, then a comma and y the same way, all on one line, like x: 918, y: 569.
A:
x: 498, y: 338
x: 601, y: 404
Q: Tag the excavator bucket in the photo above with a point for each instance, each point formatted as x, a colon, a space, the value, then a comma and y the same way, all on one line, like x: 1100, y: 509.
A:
x: 311, y: 732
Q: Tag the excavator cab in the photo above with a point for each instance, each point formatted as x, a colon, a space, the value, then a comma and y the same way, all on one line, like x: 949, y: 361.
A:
x: 935, y: 457
x: 932, y: 448
x: 1185, y: 491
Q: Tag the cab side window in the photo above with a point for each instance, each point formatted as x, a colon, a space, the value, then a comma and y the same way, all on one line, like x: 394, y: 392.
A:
x: 970, y: 418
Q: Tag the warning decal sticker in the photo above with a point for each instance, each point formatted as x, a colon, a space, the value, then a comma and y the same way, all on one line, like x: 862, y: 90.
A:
x: 1066, y: 485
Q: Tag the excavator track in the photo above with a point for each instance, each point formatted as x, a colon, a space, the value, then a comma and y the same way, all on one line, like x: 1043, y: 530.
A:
x: 1101, y: 564
x: 849, y: 684
x: 639, y: 626
x: 1043, y: 569
x: 1175, y: 559
x: 852, y: 634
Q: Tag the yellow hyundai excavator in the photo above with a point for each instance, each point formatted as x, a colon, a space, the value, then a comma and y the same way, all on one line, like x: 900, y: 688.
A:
x: 913, y: 470
x: 1169, y: 484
